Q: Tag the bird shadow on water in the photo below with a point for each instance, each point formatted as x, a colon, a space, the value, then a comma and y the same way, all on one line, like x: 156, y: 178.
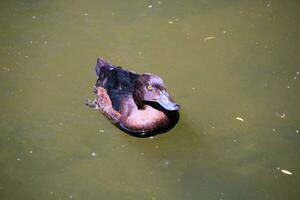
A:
x: 184, y: 141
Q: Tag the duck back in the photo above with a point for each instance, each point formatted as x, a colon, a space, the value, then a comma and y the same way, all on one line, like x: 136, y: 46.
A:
x: 119, y: 83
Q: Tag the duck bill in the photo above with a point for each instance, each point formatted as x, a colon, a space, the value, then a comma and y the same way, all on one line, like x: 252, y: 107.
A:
x: 166, y: 102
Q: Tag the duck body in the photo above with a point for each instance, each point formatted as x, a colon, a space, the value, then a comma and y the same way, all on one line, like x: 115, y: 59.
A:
x: 136, y: 103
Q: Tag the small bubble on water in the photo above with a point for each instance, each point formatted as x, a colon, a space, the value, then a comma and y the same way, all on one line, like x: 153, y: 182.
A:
x: 166, y: 163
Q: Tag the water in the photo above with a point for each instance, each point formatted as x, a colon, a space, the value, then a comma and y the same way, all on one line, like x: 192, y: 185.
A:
x: 223, y: 62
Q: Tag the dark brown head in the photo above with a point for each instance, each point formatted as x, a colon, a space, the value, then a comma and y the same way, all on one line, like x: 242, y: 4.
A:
x: 150, y: 89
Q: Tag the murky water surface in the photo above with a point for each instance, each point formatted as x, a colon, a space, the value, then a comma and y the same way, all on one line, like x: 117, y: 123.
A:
x: 234, y: 67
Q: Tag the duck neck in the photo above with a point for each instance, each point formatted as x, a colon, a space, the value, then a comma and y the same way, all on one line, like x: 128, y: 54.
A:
x: 138, y: 99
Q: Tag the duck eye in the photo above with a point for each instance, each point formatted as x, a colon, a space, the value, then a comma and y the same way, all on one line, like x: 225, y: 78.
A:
x: 149, y: 87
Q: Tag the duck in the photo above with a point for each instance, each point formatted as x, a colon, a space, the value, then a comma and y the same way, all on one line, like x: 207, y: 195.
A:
x: 138, y: 104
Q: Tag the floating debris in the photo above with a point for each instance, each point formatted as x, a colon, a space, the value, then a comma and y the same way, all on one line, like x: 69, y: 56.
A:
x: 93, y: 154
x: 31, y: 152
x: 170, y: 22
x: 6, y: 69
x: 297, y: 131
x: 282, y: 116
x: 18, y: 159
x: 150, y: 6
x: 33, y: 17
x: 85, y: 14
x: 209, y: 38
x: 286, y: 172
x: 240, y: 119
x: 101, y: 131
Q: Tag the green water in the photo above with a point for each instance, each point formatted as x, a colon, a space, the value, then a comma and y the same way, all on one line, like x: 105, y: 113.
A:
x: 233, y: 66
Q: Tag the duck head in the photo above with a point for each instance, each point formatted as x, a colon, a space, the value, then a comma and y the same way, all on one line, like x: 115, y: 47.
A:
x: 150, y: 90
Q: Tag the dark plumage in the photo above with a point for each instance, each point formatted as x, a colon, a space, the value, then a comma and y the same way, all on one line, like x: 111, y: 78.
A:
x: 137, y: 103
